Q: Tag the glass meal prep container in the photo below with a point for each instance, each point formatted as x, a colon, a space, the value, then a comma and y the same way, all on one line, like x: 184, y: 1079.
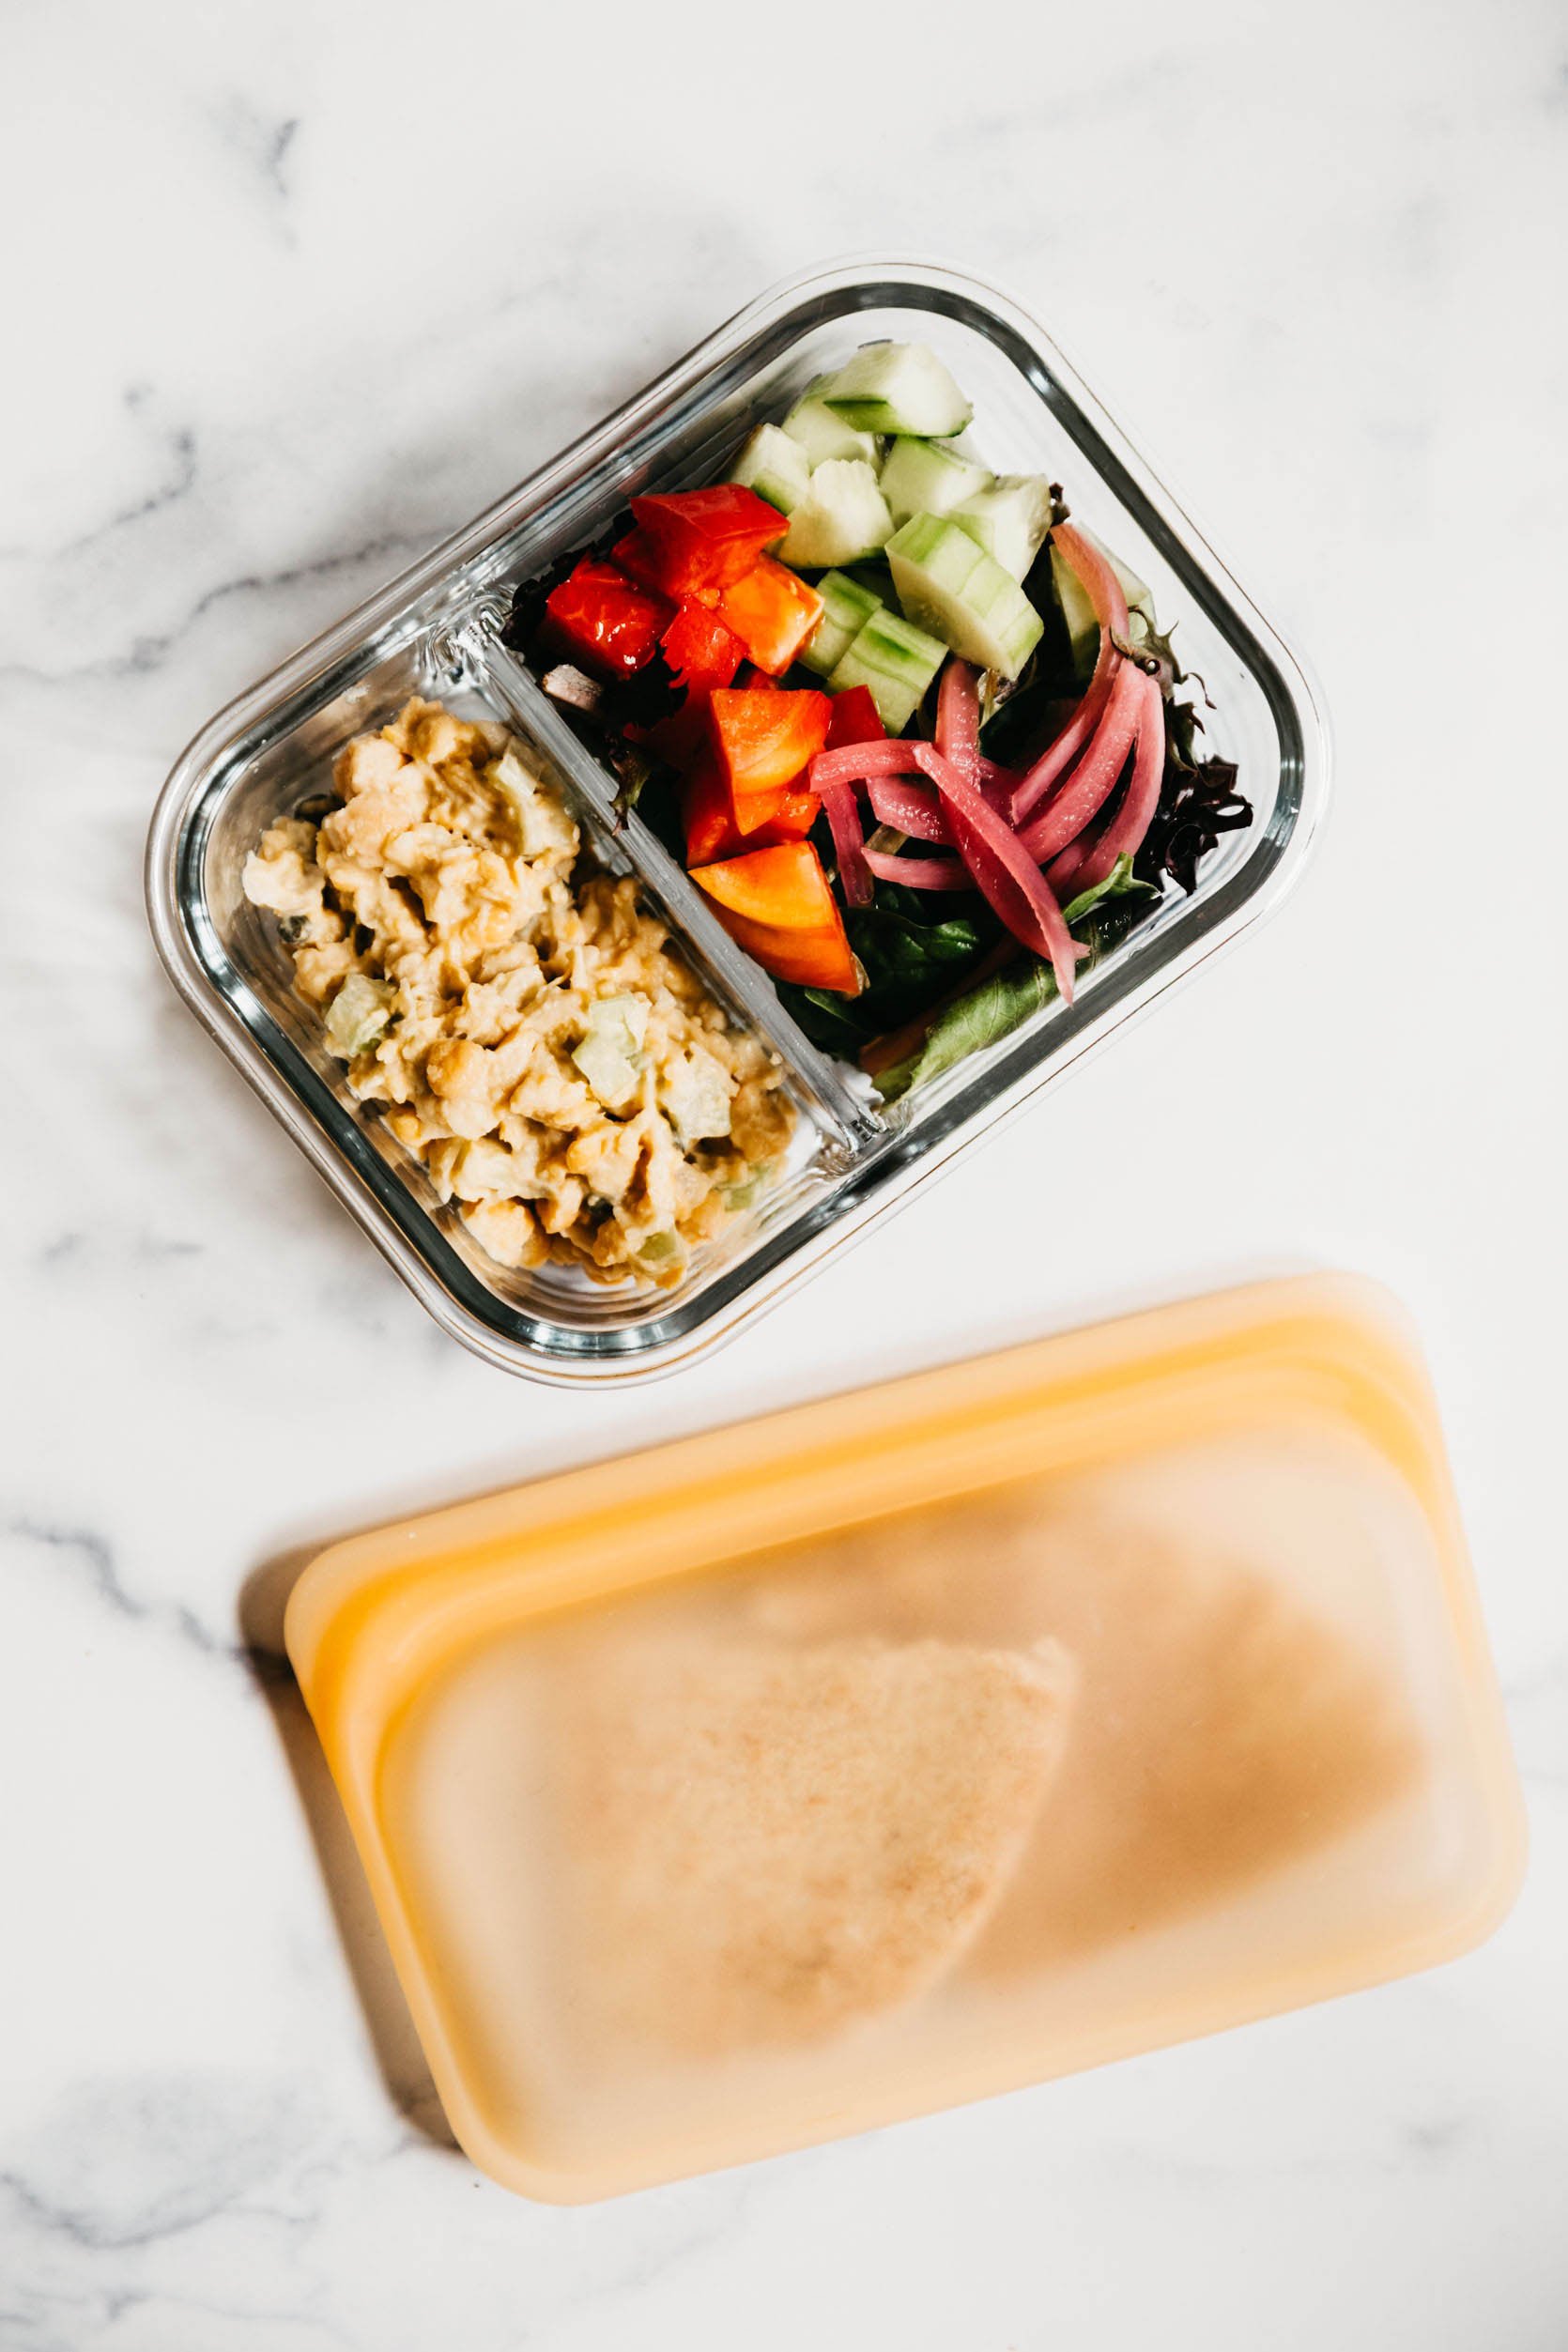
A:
x: 436, y: 632
x: 923, y: 1743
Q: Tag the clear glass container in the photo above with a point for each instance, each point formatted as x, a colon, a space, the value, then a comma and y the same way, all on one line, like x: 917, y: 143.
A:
x: 435, y: 631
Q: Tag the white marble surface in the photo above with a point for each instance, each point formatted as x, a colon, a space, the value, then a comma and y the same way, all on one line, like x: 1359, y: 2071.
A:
x: 293, y: 290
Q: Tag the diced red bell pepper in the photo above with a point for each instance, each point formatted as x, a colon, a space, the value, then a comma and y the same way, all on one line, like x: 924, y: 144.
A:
x: 762, y: 739
x: 607, y: 624
x: 855, y: 719
x: 702, y: 654
x: 773, y: 612
x: 638, y: 558
x: 819, y: 959
x: 702, y: 538
x: 790, y: 817
x: 708, y: 814
x: 784, y: 886
x: 702, y: 651
x: 776, y: 905
x: 718, y: 826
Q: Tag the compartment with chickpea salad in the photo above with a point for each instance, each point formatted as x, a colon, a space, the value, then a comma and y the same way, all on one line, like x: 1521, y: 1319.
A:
x: 518, y: 1017
x: 915, y: 735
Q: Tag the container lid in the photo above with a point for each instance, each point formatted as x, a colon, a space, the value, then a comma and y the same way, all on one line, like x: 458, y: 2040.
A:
x: 921, y: 1744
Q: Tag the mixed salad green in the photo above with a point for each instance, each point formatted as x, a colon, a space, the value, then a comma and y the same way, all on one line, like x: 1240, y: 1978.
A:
x: 917, y: 734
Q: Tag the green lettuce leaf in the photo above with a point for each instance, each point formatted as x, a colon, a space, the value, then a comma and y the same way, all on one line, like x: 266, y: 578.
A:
x: 910, y: 962
x: 996, y: 1006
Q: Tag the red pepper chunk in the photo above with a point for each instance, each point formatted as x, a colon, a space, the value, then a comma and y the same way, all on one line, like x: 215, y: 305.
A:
x: 789, y: 817
x: 697, y: 540
x: 855, y: 719
x: 775, y: 903
x: 708, y: 814
x: 609, y: 626
x: 639, y: 558
x: 701, y: 652
x: 762, y: 738
x: 773, y: 613
x: 718, y: 826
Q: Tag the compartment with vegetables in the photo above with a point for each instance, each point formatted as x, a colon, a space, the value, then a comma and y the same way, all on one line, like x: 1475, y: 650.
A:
x: 914, y: 732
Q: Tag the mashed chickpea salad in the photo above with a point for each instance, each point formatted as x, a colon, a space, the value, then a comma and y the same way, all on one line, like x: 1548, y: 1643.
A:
x: 562, y: 1074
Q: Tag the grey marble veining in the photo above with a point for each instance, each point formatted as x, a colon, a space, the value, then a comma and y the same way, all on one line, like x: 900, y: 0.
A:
x: 293, y: 293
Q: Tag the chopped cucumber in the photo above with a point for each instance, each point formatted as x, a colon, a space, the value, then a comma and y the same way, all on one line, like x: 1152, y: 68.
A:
x: 842, y: 516
x: 928, y: 478
x: 823, y: 434
x: 610, y: 1053
x: 898, y: 388
x: 846, y: 609
x: 776, y: 466
x: 1079, y: 614
x: 1010, y: 519
x: 897, y: 662
x: 948, y: 583
x: 358, y: 1014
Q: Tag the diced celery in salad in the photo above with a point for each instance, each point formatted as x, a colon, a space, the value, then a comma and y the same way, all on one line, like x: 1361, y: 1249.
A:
x: 609, y: 1053
x: 358, y: 1014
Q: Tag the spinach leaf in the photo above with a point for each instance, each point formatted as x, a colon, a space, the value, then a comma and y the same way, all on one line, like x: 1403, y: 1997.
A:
x: 999, y: 1005
x: 913, y: 949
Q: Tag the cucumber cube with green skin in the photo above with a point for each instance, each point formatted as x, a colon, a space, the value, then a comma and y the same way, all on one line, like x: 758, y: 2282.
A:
x: 898, y: 388
x: 928, y: 478
x: 1079, y: 614
x: 843, y: 515
x: 1009, y: 517
x: 822, y: 433
x: 846, y: 609
x: 897, y: 661
x: 776, y: 466
x: 947, y: 584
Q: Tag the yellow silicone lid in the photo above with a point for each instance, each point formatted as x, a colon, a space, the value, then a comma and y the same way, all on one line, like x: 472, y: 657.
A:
x: 922, y: 1743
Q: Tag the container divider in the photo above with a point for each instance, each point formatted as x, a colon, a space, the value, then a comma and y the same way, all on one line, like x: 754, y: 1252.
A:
x: 851, y: 1118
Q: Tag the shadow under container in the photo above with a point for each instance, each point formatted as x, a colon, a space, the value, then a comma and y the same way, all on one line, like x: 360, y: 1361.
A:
x: 436, y: 632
